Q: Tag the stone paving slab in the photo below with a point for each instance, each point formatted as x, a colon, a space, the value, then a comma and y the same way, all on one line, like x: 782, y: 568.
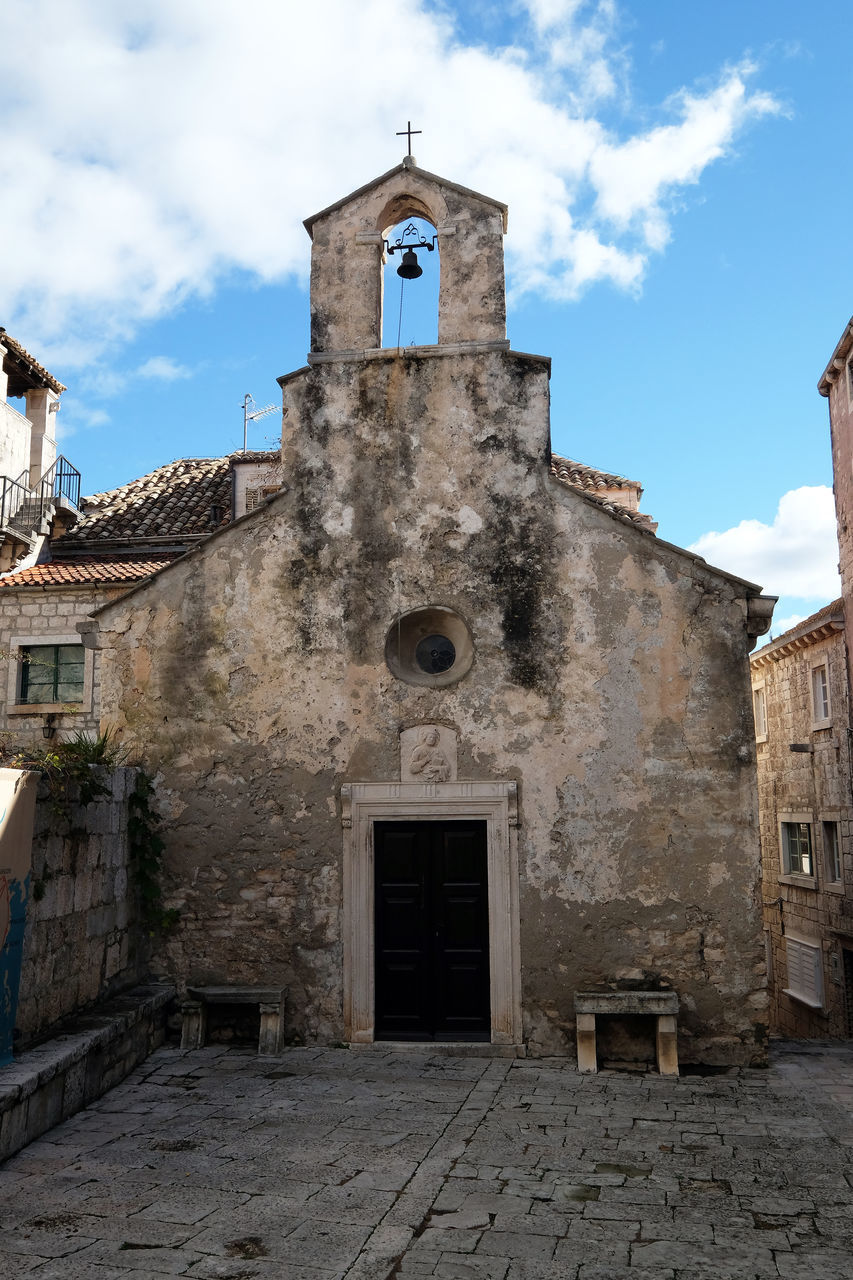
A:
x: 334, y: 1165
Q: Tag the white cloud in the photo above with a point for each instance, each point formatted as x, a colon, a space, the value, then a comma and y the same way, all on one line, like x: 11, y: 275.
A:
x: 104, y: 382
x: 795, y: 556
x: 784, y: 624
x: 633, y: 178
x: 163, y: 368
x: 155, y: 147
x: 577, y: 35
x: 76, y: 417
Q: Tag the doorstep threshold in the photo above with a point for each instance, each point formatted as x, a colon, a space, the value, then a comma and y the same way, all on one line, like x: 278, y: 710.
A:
x: 445, y: 1048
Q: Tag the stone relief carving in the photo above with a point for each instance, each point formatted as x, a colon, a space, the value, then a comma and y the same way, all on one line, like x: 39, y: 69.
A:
x: 428, y: 754
x: 428, y: 759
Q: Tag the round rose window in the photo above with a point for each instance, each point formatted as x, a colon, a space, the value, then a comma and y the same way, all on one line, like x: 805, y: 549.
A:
x: 430, y: 646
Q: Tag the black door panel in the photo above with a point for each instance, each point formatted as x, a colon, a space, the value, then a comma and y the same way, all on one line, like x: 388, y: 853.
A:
x: 432, y: 931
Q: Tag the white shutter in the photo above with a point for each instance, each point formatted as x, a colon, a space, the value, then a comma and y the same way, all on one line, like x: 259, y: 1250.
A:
x: 805, y: 972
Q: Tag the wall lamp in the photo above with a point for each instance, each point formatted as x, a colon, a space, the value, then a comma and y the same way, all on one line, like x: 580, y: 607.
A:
x: 48, y: 729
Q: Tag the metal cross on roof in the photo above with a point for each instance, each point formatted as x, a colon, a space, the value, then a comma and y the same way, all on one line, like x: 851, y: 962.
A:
x: 408, y: 133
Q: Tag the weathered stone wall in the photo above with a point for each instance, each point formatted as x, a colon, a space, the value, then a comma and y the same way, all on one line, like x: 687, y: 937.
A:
x: 14, y: 441
x: 32, y: 615
x: 346, y: 279
x: 841, y: 420
x: 82, y: 936
x: 815, y: 783
x: 841, y: 430
x: 610, y: 681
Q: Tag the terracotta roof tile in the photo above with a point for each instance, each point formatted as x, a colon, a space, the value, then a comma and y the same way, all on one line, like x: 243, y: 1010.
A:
x: 256, y: 455
x: 598, y: 485
x: 589, y: 479
x: 23, y: 356
x: 86, y: 571
x: 175, y: 501
x: 814, y: 620
x: 829, y: 613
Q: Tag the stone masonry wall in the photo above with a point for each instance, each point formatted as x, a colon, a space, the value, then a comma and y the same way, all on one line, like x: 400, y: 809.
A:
x: 610, y: 682
x: 14, y: 441
x: 841, y: 418
x: 81, y: 942
x: 814, y: 783
x: 43, y: 615
x: 346, y: 302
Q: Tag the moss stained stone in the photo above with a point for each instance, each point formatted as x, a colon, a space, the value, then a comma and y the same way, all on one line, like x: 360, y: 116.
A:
x: 609, y: 679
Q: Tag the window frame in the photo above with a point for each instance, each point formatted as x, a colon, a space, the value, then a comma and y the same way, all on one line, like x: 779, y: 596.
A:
x: 759, y: 698
x: 57, y: 668
x: 804, y: 964
x: 805, y: 879
x: 17, y: 645
x: 819, y: 719
x: 257, y: 495
x: 832, y: 881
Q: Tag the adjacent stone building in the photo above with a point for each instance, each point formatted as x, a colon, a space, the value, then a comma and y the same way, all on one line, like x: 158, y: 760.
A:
x: 836, y: 384
x: 107, y: 543
x: 802, y: 708
x: 38, y: 490
x: 802, y: 717
x: 442, y: 733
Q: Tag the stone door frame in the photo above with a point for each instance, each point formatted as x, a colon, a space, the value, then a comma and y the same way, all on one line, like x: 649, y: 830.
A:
x: 496, y: 804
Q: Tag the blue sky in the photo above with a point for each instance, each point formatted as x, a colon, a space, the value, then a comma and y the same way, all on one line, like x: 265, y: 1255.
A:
x: 679, y: 188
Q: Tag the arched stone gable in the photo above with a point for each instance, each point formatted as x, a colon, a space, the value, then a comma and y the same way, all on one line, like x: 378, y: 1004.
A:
x: 347, y: 257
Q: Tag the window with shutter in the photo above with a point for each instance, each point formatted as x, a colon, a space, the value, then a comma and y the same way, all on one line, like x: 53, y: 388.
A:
x: 820, y: 696
x: 805, y: 972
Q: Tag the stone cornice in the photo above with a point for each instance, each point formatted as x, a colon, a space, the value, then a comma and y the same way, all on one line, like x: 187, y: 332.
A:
x: 792, y: 643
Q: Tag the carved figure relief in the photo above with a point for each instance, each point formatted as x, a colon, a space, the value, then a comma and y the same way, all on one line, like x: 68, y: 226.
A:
x: 428, y: 759
x: 428, y: 754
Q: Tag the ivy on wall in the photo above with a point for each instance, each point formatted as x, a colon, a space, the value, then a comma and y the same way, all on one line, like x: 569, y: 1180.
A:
x: 146, y: 855
x: 76, y: 771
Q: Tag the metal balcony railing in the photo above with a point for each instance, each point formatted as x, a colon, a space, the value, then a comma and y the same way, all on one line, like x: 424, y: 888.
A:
x: 16, y: 499
x: 62, y: 480
x: 23, y: 509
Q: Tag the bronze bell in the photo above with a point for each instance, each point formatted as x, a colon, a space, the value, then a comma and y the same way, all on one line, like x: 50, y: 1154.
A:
x: 409, y: 268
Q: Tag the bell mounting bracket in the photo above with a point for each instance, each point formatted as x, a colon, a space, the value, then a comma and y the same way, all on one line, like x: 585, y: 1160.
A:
x: 408, y: 239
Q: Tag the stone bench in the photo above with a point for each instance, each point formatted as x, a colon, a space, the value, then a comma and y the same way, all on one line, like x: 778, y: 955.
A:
x: 90, y: 1053
x: 270, y: 1001
x: 662, y: 1005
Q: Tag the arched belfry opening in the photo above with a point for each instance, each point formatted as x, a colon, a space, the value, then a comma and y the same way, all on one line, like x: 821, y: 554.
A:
x: 354, y: 308
x: 411, y: 280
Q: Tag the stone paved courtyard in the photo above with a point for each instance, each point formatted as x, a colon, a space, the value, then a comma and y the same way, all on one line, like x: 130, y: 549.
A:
x: 371, y: 1165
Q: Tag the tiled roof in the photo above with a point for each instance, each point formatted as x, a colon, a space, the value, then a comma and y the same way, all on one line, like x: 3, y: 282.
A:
x: 38, y: 371
x: 837, y: 361
x: 822, y: 615
x: 595, y: 484
x: 589, y: 479
x: 187, y: 498
x: 256, y: 455
x: 815, y: 623
x: 90, y: 570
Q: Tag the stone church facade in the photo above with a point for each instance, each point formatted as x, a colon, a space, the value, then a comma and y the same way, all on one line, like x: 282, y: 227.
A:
x: 441, y: 739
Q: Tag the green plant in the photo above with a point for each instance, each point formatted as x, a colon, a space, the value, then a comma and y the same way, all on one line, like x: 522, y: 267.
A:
x: 70, y: 767
x: 103, y: 750
x: 146, y: 855
x: 67, y: 767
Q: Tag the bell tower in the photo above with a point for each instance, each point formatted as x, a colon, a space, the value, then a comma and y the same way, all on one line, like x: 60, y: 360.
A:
x: 348, y: 251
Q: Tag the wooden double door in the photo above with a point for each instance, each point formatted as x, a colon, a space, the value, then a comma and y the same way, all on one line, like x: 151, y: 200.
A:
x: 432, y: 931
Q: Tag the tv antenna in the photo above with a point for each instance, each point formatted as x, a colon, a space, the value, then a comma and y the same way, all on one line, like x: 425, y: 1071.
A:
x: 251, y: 412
